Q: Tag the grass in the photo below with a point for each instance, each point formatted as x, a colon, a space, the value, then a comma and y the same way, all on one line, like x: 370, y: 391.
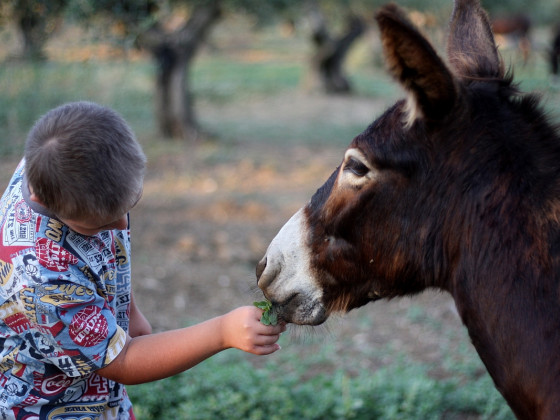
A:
x: 317, y: 386
x: 316, y: 378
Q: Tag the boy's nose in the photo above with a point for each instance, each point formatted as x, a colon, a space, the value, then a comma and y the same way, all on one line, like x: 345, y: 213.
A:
x: 120, y: 224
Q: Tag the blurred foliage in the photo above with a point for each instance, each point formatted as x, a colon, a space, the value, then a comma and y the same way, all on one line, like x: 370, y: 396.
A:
x: 541, y: 12
x: 141, y: 12
x: 13, y: 9
x: 237, y: 67
x: 228, y: 386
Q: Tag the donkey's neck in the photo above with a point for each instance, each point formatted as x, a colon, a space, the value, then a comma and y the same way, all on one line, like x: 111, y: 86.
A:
x: 516, y: 332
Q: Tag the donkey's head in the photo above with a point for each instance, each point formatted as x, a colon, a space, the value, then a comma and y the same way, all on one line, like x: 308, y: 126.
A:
x: 398, y: 214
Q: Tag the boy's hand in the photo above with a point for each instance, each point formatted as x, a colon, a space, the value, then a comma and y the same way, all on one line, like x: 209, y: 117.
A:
x: 242, y: 329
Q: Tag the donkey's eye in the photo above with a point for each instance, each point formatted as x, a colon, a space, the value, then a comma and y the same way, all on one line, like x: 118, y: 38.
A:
x: 356, y: 167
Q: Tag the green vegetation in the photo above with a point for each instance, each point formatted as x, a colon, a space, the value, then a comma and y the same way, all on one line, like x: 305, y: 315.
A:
x: 269, y: 316
x: 229, y: 386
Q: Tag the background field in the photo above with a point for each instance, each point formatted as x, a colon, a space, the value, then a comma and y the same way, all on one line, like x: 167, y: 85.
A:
x: 209, y: 210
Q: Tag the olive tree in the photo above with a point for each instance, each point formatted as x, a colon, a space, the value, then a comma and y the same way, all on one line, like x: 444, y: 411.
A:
x: 36, y: 21
x: 173, y: 47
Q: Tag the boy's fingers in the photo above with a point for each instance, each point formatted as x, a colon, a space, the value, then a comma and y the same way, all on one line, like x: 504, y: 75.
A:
x: 266, y: 349
x: 274, y: 329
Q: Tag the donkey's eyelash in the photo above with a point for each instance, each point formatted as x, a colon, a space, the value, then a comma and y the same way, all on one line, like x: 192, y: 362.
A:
x: 356, y: 167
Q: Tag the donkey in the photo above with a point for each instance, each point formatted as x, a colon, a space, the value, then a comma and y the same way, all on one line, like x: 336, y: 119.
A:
x: 457, y: 188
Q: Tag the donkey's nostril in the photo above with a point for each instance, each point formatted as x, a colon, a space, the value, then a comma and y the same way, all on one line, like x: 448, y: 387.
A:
x: 260, y: 268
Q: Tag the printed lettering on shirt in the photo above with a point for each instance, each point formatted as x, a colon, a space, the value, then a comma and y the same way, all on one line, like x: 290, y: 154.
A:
x: 121, y: 256
x: 5, y: 272
x: 87, y: 248
x: 18, y: 234
x: 9, y: 279
x: 27, y: 267
x: 78, y: 411
x: 116, y: 389
x: 83, y: 366
x: 98, y: 384
x: 123, y: 283
x: 54, y: 230
x: 69, y: 289
x: 18, y: 322
x: 7, y: 363
x: 89, y: 327
x: 87, y: 272
x: 22, y: 212
x: 26, y: 296
x: 107, y: 254
x: 115, y: 346
x: 108, y: 274
x: 122, y: 320
x: 53, y: 385
x: 32, y: 399
x: 100, y: 287
x: 74, y: 366
x: 52, y: 256
x: 65, y: 295
x: 19, y: 224
x: 123, y: 300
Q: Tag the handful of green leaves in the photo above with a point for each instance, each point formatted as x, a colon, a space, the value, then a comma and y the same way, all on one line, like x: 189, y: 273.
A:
x: 269, y: 316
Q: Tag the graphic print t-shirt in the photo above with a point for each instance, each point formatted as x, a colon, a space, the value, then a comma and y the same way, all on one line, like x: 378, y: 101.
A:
x: 64, y: 305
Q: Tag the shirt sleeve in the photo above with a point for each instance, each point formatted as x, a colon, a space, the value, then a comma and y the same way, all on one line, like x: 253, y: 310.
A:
x: 79, y: 331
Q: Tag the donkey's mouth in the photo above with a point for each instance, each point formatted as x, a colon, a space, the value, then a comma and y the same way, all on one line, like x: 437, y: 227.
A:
x: 301, y: 310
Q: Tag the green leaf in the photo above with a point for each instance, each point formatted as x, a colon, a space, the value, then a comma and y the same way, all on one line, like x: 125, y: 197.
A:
x: 265, y: 305
x: 273, y: 317
x: 265, y: 319
x: 269, y: 316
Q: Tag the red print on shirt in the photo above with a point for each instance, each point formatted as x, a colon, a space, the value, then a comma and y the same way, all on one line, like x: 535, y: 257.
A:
x: 52, y: 256
x: 89, y: 327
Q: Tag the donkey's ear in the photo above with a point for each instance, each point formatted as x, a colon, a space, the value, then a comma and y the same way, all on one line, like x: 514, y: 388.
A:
x: 471, y: 47
x: 414, y: 62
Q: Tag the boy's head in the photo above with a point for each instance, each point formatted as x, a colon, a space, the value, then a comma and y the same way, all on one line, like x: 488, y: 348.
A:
x: 82, y: 162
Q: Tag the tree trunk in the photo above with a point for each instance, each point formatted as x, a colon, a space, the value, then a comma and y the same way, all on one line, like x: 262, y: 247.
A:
x: 173, y: 53
x: 34, y: 37
x: 328, y: 59
x: 37, y: 21
x: 173, y: 100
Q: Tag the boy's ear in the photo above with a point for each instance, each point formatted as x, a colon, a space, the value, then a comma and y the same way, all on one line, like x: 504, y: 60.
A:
x: 33, y: 197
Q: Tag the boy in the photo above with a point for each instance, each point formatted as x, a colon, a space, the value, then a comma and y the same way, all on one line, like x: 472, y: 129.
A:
x: 70, y: 333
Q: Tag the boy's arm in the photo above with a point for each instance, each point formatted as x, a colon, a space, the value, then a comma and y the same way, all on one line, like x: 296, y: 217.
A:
x: 138, y: 325
x: 151, y: 357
